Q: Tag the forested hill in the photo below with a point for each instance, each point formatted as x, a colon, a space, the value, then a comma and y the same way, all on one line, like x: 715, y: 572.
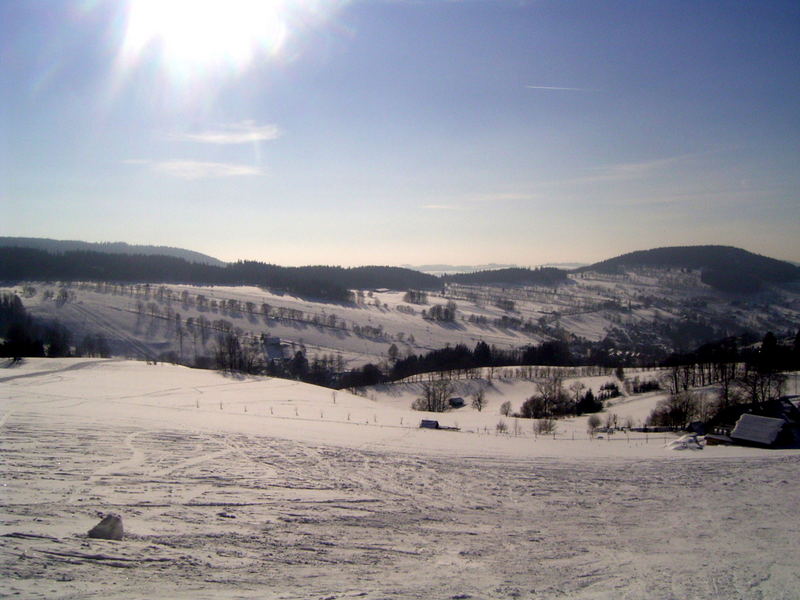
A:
x: 324, y: 283
x: 725, y: 268
x: 371, y: 277
x: 109, y: 248
x: 511, y: 276
x: 374, y: 277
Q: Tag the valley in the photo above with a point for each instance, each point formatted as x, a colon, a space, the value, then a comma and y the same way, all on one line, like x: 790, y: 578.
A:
x: 644, y: 313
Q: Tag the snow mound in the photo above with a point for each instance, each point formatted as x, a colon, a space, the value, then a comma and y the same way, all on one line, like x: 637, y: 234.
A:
x: 685, y: 442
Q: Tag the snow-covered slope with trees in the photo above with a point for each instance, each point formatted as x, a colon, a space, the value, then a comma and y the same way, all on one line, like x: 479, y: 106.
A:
x: 643, y: 313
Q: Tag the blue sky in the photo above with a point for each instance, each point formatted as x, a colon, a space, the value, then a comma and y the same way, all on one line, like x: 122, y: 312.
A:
x: 402, y: 132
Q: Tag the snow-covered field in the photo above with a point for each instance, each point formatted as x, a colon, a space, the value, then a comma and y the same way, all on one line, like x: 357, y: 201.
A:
x: 255, y: 488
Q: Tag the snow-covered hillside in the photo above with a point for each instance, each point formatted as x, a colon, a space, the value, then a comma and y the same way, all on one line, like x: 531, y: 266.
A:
x: 148, y: 321
x: 256, y: 488
x: 117, y: 388
x: 642, y: 308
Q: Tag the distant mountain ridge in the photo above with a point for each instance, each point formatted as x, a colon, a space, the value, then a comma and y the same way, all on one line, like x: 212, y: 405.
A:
x: 437, y: 269
x: 50, y: 245
x: 726, y: 268
x: 328, y: 283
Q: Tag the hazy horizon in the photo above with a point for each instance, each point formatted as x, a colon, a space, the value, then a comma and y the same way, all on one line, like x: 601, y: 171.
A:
x: 398, y: 133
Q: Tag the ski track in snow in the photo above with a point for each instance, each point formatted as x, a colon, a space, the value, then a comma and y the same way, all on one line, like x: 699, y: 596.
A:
x: 311, y: 521
x: 61, y: 369
x: 212, y: 513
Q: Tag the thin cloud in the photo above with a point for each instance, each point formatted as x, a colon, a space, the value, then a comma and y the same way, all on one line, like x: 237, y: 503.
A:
x: 550, y: 88
x: 442, y: 207
x: 629, y: 172
x: 190, y: 169
x: 639, y: 170
x: 236, y: 133
x: 635, y: 170
x: 504, y: 197
x: 472, y: 202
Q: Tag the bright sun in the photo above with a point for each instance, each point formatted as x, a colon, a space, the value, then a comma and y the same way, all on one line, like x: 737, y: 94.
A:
x: 196, y: 34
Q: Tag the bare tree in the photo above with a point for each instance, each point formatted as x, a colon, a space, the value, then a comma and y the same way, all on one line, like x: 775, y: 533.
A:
x: 544, y: 426
x: 678, y: 410
x: 612, y: 420
x: 726, y: 373
x: 434, y: 396
x: 550, y: 395
x: 228, y: 352
x: 759, y: 386
x: 478, y: 400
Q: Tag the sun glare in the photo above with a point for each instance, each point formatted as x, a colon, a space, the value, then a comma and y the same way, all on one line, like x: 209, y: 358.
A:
x: 198, y: 34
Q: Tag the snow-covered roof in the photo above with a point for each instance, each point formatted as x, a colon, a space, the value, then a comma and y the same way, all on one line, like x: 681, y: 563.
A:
x: 757, y: 430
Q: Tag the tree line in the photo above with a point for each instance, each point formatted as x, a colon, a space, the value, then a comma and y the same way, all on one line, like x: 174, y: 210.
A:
x: 331, y: 283
x: 322, y: 282
x: 547, y: 276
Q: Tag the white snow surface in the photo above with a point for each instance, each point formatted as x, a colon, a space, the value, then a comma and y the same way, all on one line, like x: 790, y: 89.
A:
x: 249, y: 487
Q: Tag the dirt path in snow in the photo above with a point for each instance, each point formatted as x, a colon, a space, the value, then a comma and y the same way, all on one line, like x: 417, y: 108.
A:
x: 238, y: 516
